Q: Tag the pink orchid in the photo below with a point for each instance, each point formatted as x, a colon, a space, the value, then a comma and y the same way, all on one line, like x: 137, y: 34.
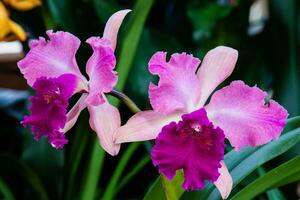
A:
x: 50, y: 68
x: 189, y: 134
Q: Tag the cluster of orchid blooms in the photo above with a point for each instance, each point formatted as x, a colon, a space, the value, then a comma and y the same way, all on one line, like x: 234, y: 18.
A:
x: 189, y: 134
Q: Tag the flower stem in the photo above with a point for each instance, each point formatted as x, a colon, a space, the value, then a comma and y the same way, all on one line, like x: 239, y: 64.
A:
x: 126, y: 100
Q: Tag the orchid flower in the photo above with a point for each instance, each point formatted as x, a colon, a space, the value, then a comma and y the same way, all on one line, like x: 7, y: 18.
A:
x: 50, y: 68
x: 189, y: 134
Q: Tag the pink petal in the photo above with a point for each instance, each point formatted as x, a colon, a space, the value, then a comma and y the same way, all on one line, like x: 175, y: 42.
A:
x: 51, y: 58
x: 217, y: 65
x: 112, y: 27
x: 143, y: 126
x: 73, y: 114
x: 104, y: 120
x: 178, y: 87
x: 224, y: 182
x: 100, y: 70
x: 246, y: 120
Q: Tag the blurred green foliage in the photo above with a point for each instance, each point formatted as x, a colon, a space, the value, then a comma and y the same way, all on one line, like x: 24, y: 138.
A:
x: 270, y: 59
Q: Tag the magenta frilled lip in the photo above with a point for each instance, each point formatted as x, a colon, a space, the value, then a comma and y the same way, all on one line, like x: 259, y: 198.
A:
x: 194, y: 145
x: 49, y: 108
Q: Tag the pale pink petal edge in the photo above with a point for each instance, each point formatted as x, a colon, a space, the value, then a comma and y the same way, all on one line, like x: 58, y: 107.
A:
x: 112, y: 26
x: 104, y: 120
x: 143, y: 126
x: 73, y: 114
x: 217, y: 65
x: 224, y: 182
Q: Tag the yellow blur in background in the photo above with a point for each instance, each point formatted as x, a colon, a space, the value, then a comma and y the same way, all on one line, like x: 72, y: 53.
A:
x: 10, y: 30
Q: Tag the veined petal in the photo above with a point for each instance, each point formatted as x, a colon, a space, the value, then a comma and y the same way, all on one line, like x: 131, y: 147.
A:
x: 244, y: 116
x: 51, y: 58
x: 143, y: 126
x: 104, y: 120
x: 217, y: 65
x: 178, y: 87
x: 73, y: 114
x: 112, y: 26
x: 224, y: 182
x: 100, y: 70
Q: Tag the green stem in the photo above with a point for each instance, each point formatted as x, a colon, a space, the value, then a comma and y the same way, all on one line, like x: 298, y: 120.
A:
x: 110, y: 189
x: 126, y: 100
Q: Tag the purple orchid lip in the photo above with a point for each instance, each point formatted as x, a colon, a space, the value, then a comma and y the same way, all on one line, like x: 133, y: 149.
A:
x: 194, y: 145
x: 49, y: 108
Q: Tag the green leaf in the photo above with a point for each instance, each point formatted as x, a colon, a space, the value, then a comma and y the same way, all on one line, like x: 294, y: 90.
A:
x: 62, y: 14
x: 156, y: 191
x: 5, y: 191
x: 131, y: 40
x: 37, y: 154
x: 105, y: 8
x: 260, y: 156
x: 94, y: 170
x: 204, y: 18
x: 136, y: 168
x: 287, y: 11
x: 109, y: 192
x: 292, y: 123
x: 78, y: 147
x: 171, y: 190
x: 273, y: 178
x: 274, y: 194
x: 12, y: 164
x: 165, y: 189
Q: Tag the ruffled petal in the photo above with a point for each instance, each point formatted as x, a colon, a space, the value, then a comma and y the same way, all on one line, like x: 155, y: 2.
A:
x: 224, y: 182
x: 244, y: 116
x: 178, y: 87
x: 112, y: 27
x: 49, y: 108
x: 104, y: 120
x: 51, y: 58
x: 73, y: 114
x: 100, y: 70
x: 217, y: 65
x: 193, y: 145
x: 144, y: 126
